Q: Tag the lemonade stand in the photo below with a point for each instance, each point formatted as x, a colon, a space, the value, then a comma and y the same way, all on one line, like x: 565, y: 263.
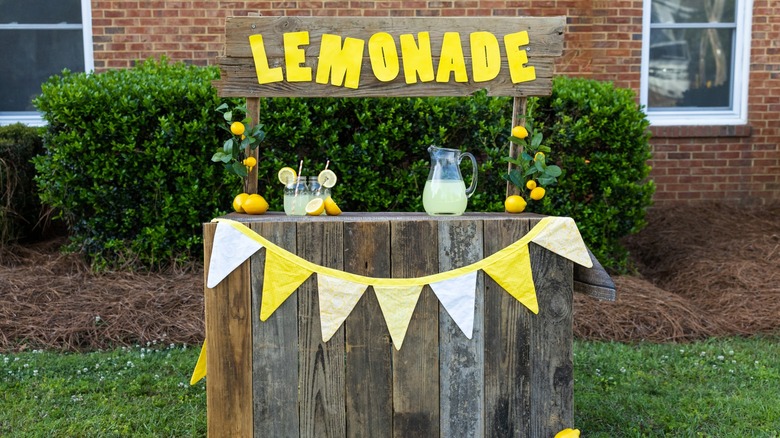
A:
x: 389, y: 324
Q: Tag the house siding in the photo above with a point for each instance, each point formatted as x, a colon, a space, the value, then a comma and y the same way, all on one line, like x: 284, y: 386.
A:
x: 735, y: 164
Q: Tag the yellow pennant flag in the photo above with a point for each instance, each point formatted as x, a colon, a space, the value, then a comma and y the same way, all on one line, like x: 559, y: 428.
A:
x: 280, y: 279
x: 200, y: 368
x: 337, y: 299
x: 513, y: 273
x: 397, y: 304
x: 562, y: 237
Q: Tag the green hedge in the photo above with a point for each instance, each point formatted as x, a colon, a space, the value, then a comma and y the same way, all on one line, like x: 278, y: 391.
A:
x: 599, y: 136
x: 21, y: 215
x: 125, y: 163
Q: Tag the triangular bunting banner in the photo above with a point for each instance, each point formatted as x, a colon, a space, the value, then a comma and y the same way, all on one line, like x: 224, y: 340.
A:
x: 397, y: 304
x: 513, y: 273
x: 337, y: 298
x: 562, y: 237
x: 200, y: 367
x: 231, y: 248
x: 458, y: 296
x: 280, y: 279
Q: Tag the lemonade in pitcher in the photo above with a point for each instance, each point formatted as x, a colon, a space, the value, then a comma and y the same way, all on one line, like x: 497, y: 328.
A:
x: 445, y: 193
x: 445, y: 197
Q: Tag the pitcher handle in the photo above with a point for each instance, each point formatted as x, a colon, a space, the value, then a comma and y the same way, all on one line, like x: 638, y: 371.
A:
x: 470, y: 190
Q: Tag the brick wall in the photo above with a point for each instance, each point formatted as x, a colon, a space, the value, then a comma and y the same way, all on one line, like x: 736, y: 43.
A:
x: 738, y: 164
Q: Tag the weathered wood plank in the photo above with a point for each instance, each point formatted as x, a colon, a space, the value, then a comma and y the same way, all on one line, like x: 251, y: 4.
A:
x: 416, y: 365
x: 229, y: 353
x: 507, y: 362
x: 252, y: 111
x: 274, y: 347
x: 462, y: 359
x: 240, y: 80
x: 551, y: 345
x: 321, y: 364
x: 369, y: 372
x: 545, y: 33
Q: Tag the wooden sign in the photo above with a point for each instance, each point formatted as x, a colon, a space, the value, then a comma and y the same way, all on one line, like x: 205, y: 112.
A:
x: 384, y: 57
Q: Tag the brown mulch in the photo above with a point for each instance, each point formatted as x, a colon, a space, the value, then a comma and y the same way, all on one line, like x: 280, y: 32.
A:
x: 709, y: 270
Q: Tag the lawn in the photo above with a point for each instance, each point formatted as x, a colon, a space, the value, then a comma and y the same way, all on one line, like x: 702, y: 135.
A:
x: 717, y: 388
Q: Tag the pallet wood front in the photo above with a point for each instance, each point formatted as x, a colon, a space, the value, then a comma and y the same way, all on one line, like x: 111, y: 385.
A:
x: 277, y: 378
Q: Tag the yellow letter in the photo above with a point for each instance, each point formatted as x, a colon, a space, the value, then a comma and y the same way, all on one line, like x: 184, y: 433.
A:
x: 344, y: 62
x: 451, y: 59
x: 417, y: 60
x: 517, y: 58
x: 384, y: 56
x: 294, y: 56
x: 485, y: 56
x: 265, y: 75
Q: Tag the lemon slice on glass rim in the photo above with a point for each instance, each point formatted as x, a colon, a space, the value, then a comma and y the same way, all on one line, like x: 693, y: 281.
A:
x: 327, y: 178
x: 287, y: 175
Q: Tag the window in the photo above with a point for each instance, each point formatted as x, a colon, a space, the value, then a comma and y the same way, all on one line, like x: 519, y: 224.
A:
x: 695, y: 61
x: 38, y: 39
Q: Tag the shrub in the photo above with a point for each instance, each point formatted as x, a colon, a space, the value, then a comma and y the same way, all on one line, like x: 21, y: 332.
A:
x: 378, y: 147
x: 20, y: 208
x: 600, y: 138
x: 124, y: 161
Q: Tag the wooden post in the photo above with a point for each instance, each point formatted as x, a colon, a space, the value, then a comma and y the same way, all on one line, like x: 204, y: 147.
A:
x: 519, y: 105
x: 252, y: 111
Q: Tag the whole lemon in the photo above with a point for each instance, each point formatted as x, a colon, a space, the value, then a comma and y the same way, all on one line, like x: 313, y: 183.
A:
x: 519, y: 132
x: 537, y: 193
x: 514, y: 204
x: 568, y: 433
x: 255, y: 204
x: 250, y: 162
x: 237, y: 128
x: 531, y: 184
x: 238, y: 202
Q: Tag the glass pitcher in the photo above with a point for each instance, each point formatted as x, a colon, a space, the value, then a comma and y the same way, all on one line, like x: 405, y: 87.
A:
x: 445, y: 193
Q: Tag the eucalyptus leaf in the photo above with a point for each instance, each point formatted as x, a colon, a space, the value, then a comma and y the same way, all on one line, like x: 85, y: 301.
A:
x: 536, y: 140
x: 539, y: 165
x: 516, y: 178
x: 228, y: 115
x: 531, y: 171
x: 240, y: 169
x: 222, y: 107
x: 217, y: 157
x: 545, y: 149
x: 526, y: 156
x: 554, y: 171
x: 518, y: 141
x: 545, y: 180
x: 228, y: 146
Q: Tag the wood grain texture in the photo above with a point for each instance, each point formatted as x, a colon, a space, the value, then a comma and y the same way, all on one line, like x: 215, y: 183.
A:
x: 321, y: 364
x: 462, y: 359
x: 416, y: 365
x: 252, y: 111
x: 595, y: 281
x: 229, y: 353
x: 274, y: 347
x: 507, y: 348
x: 369, y: 372
x: 239, y: 77
x: 519, y: 105
x: 550, y: 335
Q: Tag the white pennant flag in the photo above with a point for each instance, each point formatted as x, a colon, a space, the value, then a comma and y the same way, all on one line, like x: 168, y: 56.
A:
x: 231, y: 248
x: 562, y: 237
x: 458, y: 296
x: 337, y: 299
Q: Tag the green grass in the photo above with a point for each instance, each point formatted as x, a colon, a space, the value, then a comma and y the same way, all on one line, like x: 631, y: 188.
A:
x: 719, y: 388
x: 140, y: 391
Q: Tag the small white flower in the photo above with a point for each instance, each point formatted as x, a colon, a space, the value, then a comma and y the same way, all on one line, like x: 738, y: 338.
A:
x: 622, y: 369
x: 703, y: 353
x: 721, y: 357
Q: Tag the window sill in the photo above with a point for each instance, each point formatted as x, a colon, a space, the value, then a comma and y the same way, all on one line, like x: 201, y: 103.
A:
x: 700, y: 131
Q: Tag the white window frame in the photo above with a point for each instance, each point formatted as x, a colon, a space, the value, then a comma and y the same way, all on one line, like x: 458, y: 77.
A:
x: 738, y: 114
x: 33, y: 118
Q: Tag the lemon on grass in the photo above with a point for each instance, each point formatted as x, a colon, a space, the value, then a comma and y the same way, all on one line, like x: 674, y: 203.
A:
x: 331, y: 208
x: 327, y: 178
x: 519, y: 132
x: 237, y: 128
x: 568, y: 433
x: 287, y: 175
x: 238, y: 202
x: 255, y: 204
x: 315, y: 207
x: 531, y: 184
x: 537, y: 193
x: 514, y: 204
